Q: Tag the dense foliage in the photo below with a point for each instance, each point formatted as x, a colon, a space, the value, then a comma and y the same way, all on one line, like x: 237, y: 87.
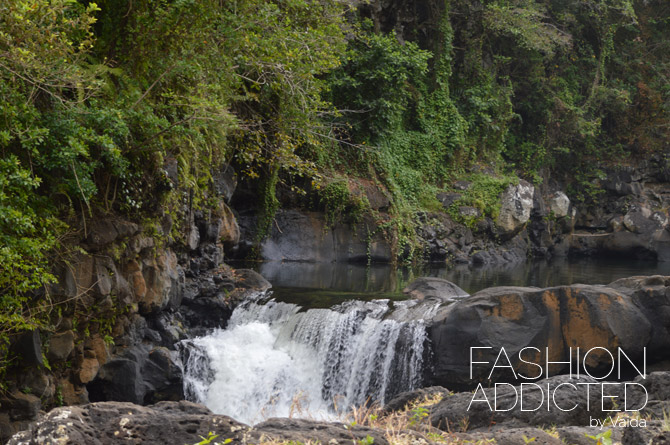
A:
x: 98, y: 99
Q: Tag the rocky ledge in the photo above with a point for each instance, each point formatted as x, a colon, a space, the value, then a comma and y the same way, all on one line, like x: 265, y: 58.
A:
x: 577, y: 412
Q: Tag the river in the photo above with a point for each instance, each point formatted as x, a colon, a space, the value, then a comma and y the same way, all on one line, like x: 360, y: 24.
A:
x: 323, y: 341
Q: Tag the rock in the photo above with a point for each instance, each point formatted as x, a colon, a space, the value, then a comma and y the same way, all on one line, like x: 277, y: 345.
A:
x: 250, y: 279
x: 374, y: 192
x: 72, y: 394
x: 139, y: 244
x: 88, y: 369
x: 431, y: 288
x: 21, y: 406
x: 469, y: 212
x: 37, y: 382
x: 101, y: 233
x: 60, y: 346
x: 639, y: 221
x: 305, y: 236
x: 207, y: 312
x: 585, y: 401
x: 447, y: 199
x: 557, y: 318
x: 171, y: 171
x: 193, y: 237
x: 514, y: 436
x: 653, y: 434
x: 140, y: 375
x: 118, y: 380
x: 651, y: 295
x: 303, y: 430
x: 517, y: 203
x: 126, y: 229
x: 163, y: 279
x: 162, y: 376
x: 75, y: 277
x: 28, y: 346
x: 462, y: 185
x: 559, y: 204
x: 228, y: 230
x: 105, y: 272
x: 98, y: 349
x: 401, y: 401
x: 225, y: 181
x: 115, y: 422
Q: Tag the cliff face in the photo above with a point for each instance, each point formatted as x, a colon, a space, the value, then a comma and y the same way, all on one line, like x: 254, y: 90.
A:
x: 124, y: 297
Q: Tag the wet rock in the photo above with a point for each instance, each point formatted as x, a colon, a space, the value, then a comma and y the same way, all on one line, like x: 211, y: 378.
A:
x: 516, y: 205
x: 60, y: 346
x: 116, y: 422
x: 303, y: 430
x: 431, y: 288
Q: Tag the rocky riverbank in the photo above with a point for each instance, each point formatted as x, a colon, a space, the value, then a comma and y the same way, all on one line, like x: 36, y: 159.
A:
x: 574, y: 415
x: 517, y: 330
x: 130, y: 291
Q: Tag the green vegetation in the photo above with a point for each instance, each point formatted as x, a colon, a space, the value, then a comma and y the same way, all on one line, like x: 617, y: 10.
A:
x: 306, y: 98
x: 483, y: 194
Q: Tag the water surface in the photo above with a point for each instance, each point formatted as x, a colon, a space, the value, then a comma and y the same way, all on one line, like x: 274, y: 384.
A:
x: 327, y: 284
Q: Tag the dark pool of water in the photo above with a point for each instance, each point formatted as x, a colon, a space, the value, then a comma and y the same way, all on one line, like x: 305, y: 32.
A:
x: 326, y: 284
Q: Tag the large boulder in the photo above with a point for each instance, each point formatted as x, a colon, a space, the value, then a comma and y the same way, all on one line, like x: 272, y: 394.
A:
x: 140, y: 375
x: 516, y: 205
x: 572, y: 402
x: 555, y: 321
x: 559, y: 204
x: 433, y: 288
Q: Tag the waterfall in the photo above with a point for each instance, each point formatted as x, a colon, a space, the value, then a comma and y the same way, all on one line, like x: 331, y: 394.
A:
x: 274, y: 360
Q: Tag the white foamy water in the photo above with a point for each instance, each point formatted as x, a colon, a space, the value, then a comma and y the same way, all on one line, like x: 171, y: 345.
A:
x: 274, y: 361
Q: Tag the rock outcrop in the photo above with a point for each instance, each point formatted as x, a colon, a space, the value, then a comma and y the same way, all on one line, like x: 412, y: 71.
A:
x: 550, y: 324
x: 307, y: 237
x: 516, y: 205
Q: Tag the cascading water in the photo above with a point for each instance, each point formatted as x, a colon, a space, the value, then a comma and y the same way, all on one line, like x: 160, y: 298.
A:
x: 274, y: 361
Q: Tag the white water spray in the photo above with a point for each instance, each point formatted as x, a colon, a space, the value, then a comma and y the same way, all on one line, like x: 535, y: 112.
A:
x: 274, y: 361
